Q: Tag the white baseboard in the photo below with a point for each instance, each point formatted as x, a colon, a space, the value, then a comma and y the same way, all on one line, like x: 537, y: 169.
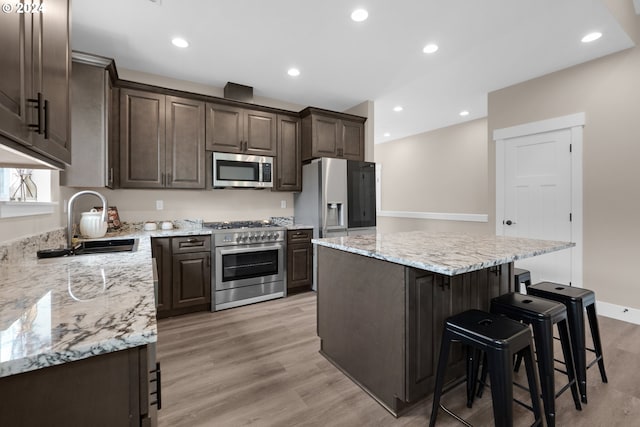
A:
x: 631, y: 315
x: 436, y: 215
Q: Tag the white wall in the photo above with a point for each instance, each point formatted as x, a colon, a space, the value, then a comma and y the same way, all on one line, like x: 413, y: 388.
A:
x: 209, y: 205
x: 607, y: 90
x: 441, y: 171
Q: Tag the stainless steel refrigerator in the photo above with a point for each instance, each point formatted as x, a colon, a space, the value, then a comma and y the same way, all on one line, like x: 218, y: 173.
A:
x: 338, y: 198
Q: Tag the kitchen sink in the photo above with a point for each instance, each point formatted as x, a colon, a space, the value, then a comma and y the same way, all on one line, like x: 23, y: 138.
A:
x: 93, y: 247
x: 106, y: 246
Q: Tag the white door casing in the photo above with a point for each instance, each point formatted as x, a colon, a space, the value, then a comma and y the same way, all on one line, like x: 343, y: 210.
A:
x: 538, y: 185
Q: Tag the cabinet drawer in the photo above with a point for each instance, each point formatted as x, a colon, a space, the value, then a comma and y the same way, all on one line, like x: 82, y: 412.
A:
x: 187, y: 244
x: 298, y: 236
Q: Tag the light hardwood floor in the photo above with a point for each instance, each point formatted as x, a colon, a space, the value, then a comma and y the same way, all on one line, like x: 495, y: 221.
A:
x: 259, y: 365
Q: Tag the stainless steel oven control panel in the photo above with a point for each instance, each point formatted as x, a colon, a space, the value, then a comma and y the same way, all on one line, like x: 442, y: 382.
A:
x: 247, y: 237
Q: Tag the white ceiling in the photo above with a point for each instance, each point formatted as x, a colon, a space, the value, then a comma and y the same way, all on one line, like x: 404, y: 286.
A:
x: 484, y: 45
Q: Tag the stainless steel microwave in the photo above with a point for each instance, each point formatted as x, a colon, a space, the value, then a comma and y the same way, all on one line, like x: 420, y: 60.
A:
x: 242, y: 171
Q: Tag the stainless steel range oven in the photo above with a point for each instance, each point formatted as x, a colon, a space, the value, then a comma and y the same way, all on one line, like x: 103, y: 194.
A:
x: 249, y: 264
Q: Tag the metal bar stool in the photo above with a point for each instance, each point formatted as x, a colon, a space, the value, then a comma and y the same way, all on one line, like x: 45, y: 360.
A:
x: 522, y: 276
x: 577, y: 300
x: 500, y: 338
x: 542, y: 314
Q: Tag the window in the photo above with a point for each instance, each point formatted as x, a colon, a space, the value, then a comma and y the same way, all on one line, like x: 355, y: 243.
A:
x: 25, y: 185
x: 25, y: 192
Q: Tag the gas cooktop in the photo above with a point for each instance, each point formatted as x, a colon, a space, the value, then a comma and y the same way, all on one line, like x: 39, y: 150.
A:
x: 235, y: 225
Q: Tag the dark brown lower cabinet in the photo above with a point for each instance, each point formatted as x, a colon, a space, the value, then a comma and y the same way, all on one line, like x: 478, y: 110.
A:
x: 381, y: 323
x: 184, y: 274
x: 299, y: 261
x: 113, y: 389
x: 431, y: 299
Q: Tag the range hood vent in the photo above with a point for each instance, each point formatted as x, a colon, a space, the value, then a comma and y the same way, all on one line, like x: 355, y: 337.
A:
x: 238, y: 92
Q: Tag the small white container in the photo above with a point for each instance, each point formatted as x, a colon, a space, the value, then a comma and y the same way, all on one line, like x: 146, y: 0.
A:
x: 150, y: 226
x: 91, y: 224
x: 167, y: 225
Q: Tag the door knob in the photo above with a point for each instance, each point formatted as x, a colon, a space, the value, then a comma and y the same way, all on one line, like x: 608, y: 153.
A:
x: 509, y: 222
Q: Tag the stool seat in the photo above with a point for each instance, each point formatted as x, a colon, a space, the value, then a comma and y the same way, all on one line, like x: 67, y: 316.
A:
x: 577, y: 300
x: 542, y: 314
x: 500, y: 338
x: 562, y: 293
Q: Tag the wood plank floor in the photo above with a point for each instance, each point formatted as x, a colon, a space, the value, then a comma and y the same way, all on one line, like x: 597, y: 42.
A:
x: 259, y: 365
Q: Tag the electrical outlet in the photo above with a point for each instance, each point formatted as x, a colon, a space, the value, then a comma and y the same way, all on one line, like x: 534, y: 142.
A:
x: 159, y: 205
x: 283, y: 204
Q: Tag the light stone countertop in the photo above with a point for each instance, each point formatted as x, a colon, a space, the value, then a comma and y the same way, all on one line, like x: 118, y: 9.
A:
x: 58, y: 310
x: 443, y: 252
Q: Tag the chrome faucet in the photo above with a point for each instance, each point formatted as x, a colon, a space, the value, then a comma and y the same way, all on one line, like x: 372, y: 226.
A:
x: 70, y: 212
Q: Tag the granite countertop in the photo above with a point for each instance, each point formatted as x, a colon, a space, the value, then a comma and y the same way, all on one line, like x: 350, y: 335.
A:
x: 443, y: 252
x: 58, y: 310
x: 299, y: 227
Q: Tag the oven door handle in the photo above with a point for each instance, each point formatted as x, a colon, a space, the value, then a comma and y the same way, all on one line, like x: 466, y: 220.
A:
x: 245, y: 249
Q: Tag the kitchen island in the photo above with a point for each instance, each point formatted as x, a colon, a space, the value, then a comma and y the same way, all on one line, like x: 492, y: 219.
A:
x: 383, y: 299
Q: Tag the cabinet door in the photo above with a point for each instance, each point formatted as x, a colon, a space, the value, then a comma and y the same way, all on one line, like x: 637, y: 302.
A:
x: 224, y: 128
x: 13, y: 89
x: 185, y: 161
x: 161, y: 251
x: 260, y: 133
x: 352, y: 136
x: 191, y: 280
x: 299, y: 266
x: 431, y: 298
x: 52, y: 72
x: 288, y: 159
x: 325, y: 136
x: 142, y: 139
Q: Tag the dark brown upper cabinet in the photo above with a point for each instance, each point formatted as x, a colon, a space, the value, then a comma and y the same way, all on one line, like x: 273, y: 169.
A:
x: 330, y: 134
x: 238, y: 130
x: 289, y: 157
x: 34, y: 89
x: 161, y: 141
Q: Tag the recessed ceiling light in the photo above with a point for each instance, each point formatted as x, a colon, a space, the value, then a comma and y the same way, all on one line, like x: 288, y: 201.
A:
x: 293, y: 72
x: 359, y: 15
x: 464, y: 113
x: 591, y: 37
x: 430, y: 48
x: 397, y: 108
x: 386, y: 134
x: 180, y: 42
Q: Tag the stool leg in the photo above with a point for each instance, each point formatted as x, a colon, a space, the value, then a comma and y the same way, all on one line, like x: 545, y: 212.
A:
x: 595, y: 334
x: 442, y: 366
x: 500, y: 372
x: 563, y: 330
x: 473, y: 361
x: 533, y: 384
x: 543, y: 337
x: 483, y: 376
x: 575, y: 317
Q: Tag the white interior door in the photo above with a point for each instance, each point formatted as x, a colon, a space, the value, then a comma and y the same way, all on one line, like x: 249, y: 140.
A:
x: 538, y: 200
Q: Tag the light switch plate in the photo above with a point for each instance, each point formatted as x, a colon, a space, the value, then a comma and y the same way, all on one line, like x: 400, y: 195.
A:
x: 159, y: 205
x: 283, y: 204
